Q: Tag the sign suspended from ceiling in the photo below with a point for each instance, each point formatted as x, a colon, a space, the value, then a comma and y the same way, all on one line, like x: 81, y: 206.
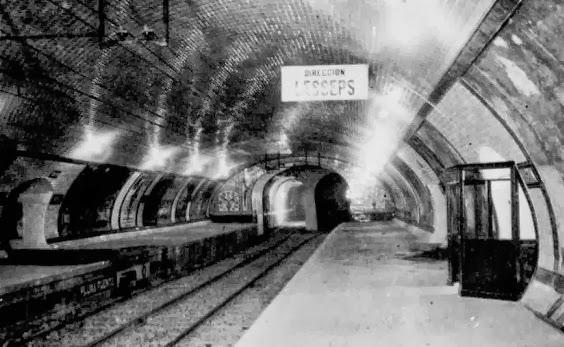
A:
x: 324, y: 82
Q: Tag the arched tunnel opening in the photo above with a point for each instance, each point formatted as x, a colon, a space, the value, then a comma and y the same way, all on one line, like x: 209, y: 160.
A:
x: 376, y: 205
x: 306, y: 196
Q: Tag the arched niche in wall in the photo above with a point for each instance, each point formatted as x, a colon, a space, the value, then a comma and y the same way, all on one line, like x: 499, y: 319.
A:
x: 86, y: 209
x: 309, y: 176
x: 128, y: 211
x: 151, y: 208
x: 184, y: 199
x: 198, y: 208
x: 169, y: 201
x: 232, y: 200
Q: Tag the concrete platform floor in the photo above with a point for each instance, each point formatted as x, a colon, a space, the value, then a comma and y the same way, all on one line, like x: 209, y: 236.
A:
x: 15, y: 277
x: 160, y: 236
x: 361, y: 289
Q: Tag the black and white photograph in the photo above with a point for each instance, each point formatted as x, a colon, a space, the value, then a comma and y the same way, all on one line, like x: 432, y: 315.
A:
x: 282, y: 173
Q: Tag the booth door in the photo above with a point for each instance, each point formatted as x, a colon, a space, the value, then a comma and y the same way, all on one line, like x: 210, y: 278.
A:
x: 489, y: 252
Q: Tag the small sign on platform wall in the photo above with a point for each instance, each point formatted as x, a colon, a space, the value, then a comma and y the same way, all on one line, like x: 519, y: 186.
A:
x: 324, y: 82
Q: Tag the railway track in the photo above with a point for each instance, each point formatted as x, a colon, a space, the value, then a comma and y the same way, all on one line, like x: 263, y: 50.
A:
x: 170, y: 313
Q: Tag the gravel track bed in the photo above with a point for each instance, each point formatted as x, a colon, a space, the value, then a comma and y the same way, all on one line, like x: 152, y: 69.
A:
x: 99, y: 324
x: 226, y: 327
x: 163, y: 327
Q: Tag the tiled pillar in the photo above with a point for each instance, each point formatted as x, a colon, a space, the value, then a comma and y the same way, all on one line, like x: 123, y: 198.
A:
x: 34, y: 210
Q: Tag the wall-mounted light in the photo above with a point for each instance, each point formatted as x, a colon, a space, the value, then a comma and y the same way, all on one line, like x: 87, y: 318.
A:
x: 224, y: 165
x: 195, y: 164
x: 96, y: 145
x: 158, y: 157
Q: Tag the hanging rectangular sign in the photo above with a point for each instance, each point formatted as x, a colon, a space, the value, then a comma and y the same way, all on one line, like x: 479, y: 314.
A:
x: 324, y: 82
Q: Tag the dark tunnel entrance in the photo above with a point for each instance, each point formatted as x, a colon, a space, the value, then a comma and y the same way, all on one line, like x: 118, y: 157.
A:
x: 332, y: 205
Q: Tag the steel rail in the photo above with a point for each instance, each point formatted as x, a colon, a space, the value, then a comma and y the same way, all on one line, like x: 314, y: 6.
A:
x: 247, y: 259
x: 218, y: 307
x: 140, y: 319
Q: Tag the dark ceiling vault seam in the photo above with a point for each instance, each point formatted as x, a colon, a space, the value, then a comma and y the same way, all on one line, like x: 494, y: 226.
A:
x: 476, y: 44
x: 451, y: 147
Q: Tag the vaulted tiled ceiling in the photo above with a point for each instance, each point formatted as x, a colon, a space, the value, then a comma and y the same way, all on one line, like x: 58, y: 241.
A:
x: 211, y: 98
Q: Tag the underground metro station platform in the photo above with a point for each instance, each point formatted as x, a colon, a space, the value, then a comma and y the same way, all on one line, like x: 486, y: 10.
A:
x: 300, y: 172
x: 375, y: 284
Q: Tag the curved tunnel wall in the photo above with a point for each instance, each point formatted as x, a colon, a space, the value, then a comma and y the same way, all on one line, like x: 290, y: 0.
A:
x: 413, y: 205
x: 89, y: 200
x: 334, y: 209
x: 518, y: 76
x: 432, y: 183
x: 407, y: 208
x: 510, y: 100
x: 424, y: 202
